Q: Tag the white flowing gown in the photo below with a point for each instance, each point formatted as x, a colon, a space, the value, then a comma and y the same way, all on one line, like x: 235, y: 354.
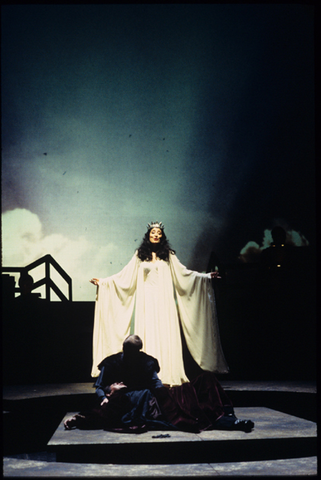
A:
x: 163, y: 295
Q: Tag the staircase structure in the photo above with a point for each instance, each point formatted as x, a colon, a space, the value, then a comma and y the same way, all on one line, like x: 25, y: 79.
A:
x: 49, y: 263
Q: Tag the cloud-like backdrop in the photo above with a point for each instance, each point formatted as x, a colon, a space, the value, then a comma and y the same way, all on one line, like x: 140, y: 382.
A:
x: 200, y: 116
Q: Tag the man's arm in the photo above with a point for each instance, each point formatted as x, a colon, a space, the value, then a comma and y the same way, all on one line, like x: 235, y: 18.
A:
x: 156, y: 381
x: 100, y: 389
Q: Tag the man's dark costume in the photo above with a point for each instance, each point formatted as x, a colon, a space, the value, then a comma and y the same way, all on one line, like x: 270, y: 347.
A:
x: 137, y: 373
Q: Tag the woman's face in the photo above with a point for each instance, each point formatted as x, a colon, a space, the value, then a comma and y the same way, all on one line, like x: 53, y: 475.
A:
x: 155, y: 235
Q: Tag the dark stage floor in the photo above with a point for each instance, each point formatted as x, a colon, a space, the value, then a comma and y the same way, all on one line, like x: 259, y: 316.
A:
x: 282, y: 443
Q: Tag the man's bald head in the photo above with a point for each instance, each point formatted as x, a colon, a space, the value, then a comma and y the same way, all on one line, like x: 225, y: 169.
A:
x: 132, y: 345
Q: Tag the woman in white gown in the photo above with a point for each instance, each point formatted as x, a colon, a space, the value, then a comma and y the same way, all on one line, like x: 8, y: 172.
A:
x: 151, y: 296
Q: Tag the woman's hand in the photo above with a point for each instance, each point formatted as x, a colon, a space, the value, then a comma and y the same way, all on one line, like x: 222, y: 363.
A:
x: 215, y: 275
x: 94, y: 281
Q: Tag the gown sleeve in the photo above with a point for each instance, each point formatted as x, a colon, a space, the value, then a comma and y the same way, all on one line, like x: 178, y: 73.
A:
x: 197, y: 312
x: 113, y: 312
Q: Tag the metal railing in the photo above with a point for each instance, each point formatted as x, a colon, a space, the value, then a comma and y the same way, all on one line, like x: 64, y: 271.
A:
x: 49, y: 261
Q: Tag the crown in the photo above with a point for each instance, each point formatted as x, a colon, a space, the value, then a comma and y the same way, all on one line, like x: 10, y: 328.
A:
x: 155, y: 225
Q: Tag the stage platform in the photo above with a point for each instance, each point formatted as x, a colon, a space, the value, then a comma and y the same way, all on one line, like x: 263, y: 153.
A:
x: 276, y: 435
x: 301, y: 467
x: 280, y: 444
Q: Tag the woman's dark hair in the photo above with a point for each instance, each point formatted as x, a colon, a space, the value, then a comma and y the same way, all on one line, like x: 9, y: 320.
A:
x: 146, y: 248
